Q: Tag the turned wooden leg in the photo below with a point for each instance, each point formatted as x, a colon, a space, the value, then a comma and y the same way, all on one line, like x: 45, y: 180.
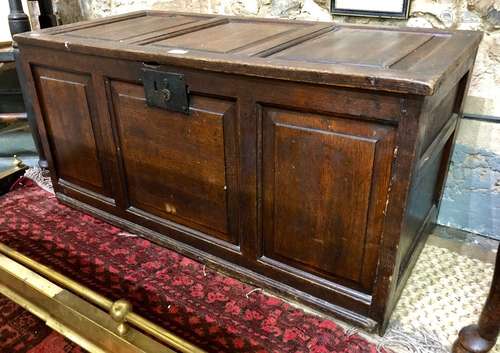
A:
x: 482, y: 337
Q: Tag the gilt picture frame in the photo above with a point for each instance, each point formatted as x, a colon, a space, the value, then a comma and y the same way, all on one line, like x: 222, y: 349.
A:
x: 398, y: 9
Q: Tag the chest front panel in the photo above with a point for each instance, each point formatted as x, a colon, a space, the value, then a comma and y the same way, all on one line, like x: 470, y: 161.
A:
x: 72, y: 127
x: 322, y: 180
x: 179, y: 167
x: 250, y: 174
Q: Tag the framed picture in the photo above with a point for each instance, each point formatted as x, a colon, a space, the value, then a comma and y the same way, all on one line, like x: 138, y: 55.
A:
x: 372, y: 8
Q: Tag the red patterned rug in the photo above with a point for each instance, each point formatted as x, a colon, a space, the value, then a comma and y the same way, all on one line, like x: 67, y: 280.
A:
x: 22, y: 332
x: 215, y: 312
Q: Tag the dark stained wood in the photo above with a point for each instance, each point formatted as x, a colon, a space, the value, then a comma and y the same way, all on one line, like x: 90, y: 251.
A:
x: 413, y: 233
x: 316, y: 215
x: 437, y: 119
x: 131, y: 28
x: 482, y: 337
x: 341, y: 46
x: 313, y: 172
x: 417, y: 72
x: 230, y: 36
x: 73, y: 133
x: 190, y: 178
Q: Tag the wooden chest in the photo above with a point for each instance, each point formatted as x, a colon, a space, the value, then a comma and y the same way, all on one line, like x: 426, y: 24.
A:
x: 307, y: 158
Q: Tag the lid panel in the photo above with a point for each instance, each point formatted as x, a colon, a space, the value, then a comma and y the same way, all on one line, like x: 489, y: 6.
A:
x: 230, y: 36
x: 130, y: 28
x: 393, y: 59
x: 355, y: 46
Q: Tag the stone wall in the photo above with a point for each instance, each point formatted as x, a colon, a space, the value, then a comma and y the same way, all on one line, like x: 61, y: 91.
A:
x: 472, y: 195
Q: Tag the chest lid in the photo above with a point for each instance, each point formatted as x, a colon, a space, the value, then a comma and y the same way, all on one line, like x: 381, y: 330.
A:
x: 397, y: 59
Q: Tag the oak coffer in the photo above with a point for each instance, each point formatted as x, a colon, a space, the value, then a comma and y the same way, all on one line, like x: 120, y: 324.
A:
x: 308, y: 158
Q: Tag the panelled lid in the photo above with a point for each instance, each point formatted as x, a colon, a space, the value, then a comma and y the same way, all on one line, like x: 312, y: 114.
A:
x: 357, y: 46
x: 132, y: 28
x: 230, y: 36
x: 396, y: 59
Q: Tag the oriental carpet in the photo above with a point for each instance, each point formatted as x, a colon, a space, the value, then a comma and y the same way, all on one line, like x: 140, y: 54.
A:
x: 22, y: 332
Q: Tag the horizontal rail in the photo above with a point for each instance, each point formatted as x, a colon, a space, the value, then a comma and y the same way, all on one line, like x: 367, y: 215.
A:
x: 8, y: 117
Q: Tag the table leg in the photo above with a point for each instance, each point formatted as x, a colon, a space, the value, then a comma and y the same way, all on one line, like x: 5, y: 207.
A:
x: 482, y: 337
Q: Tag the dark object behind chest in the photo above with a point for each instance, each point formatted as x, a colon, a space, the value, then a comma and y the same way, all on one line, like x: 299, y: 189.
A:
x: 308, y: 158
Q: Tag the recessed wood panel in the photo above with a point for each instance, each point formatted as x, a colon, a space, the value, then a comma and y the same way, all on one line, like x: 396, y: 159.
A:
x: 229, y: 36
x: 68, y: 105
x: 434, y: 121
x: 421, y: 200
x: 134, y: 27
x: 357, y: 46
x: 318, y: 181
x: 180, y: 167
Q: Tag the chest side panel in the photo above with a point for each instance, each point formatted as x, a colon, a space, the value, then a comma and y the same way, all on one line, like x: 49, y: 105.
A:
x: 178, y: 167
x: 437, y: 129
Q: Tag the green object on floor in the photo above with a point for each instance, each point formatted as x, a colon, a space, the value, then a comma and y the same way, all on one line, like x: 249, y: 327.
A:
x: 15, y: 134
x: 16, y: 139
x: 17, y: 142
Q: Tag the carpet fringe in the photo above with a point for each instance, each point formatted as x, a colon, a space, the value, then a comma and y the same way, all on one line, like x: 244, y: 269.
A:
x: 36, y: 175
x: 418, y: 340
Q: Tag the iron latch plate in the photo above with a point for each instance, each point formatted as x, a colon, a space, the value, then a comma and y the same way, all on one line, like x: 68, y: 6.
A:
x: 166, y: 90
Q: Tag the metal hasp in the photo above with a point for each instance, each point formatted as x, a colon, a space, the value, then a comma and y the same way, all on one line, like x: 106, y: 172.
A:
x: 165, y: 90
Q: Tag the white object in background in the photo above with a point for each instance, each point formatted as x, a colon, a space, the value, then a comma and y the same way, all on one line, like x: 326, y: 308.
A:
x: 4, y: 24
x: 370, y: 5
